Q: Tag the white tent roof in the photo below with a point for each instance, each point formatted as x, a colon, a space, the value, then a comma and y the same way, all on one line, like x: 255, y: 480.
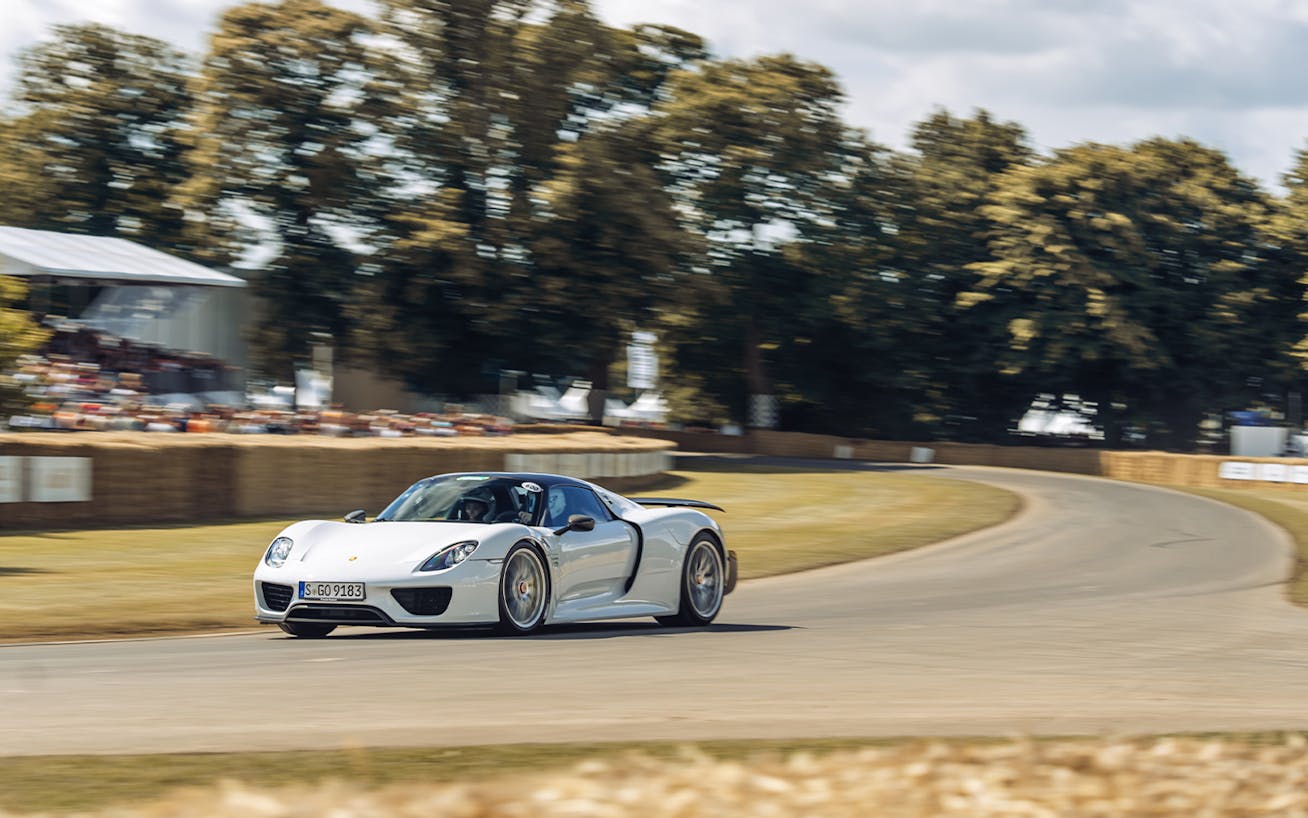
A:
x: 60, y: 255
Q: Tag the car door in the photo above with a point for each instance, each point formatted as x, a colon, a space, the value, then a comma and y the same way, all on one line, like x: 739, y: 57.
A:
x: 593, y: 563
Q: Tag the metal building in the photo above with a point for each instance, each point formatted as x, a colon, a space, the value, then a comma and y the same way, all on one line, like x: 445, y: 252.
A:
x: 145, y: 295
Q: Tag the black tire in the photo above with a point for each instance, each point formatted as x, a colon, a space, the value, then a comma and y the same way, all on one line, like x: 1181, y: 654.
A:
x: 524, y: 593
x: 703, y: 585
x: 307, y: 630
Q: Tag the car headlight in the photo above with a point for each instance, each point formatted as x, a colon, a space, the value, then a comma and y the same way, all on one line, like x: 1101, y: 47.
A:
x: 278, y: 552
x: 449, y: 556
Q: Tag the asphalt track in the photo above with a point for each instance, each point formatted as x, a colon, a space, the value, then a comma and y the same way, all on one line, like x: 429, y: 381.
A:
x: 1103, y: 607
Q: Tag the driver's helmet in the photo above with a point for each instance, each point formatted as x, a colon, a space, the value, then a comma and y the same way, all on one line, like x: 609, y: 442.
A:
x: 476, y: 506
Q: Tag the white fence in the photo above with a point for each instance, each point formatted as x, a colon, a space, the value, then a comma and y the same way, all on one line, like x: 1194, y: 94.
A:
x: 591, y: 465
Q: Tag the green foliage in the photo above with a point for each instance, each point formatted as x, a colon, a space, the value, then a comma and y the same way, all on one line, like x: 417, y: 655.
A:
x: 1287, y: 249
x: 508, y: 228
x: 1138, y: 278
x: 859, y: 320
x: 280, y: 150
x: 19, y: 335
x: 607, y: 252
x: 456, y: 188
x: 752, y: 150
x: 415, y: 309
x: 94, y: 142
x: 941, y: 190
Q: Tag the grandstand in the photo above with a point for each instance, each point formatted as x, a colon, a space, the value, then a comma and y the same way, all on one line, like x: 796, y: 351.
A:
x: 141, y: 294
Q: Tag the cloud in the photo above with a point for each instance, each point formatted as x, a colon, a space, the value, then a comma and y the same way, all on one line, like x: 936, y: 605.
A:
x: 186, y: 24
x: 180, y: 22
x: 1068, y: 70
x: 1227, y: 74
x: 953, y: 28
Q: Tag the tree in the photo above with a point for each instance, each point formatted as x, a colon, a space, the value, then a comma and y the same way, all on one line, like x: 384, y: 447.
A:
x: 943, y: 228
x: 282, y: 147
x: 19, y: 335
x: 418, y: 304
x: 1139, y: 279
x: 487, y: 89
x: 607, y: 251
x: 95, y: 139
x: 1288, y: 250
x: 751, y: 148
x: 489, y: 109
x: 850, y: 364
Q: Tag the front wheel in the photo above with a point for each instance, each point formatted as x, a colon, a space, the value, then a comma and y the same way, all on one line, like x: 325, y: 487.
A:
x: 524, y: 590
x: 308, y: 630
x: 703, y: 583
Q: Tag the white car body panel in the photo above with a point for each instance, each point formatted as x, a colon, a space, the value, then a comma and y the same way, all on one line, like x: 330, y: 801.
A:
x: 622, y: 568
x: 594, y: 563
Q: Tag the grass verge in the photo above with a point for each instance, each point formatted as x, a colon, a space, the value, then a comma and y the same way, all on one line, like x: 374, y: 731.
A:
x: 154, y: 581
x: 63, y: 784
x: 68, y: 783
x: 1284, y: 507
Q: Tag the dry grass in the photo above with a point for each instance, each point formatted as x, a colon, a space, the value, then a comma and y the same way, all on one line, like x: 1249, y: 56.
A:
x: 149, y: 581
x: 782, y: 520
x: 1214, y: 778
x: 129, y: 581
x: 81, y: 782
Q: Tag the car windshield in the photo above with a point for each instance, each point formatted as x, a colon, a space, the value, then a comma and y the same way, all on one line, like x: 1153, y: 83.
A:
x: 467, y: 498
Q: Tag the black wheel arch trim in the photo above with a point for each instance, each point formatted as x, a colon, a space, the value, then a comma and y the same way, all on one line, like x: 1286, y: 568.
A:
x: 729, y: 563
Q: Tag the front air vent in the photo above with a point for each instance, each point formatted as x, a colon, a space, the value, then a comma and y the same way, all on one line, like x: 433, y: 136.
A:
x: 276, y: 597
x: 339, y: 614
x: 423, y: 601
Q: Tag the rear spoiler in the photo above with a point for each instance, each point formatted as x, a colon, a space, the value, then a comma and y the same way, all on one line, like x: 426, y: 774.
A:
x: 669, y: 501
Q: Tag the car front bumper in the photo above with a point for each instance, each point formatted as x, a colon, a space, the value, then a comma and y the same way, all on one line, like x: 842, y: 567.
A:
x: 416, y: 601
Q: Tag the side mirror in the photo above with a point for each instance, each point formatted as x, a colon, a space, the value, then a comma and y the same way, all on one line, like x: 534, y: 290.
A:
x: 577, y: 522
x: 357, y: 516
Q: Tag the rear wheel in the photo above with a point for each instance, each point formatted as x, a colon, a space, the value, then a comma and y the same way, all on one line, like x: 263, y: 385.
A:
x: 524, y: 591
x: 308, y: 630
x: 703, y: 582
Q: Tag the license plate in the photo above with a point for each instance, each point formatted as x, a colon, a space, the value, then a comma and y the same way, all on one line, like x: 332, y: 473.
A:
x: 334, y: 591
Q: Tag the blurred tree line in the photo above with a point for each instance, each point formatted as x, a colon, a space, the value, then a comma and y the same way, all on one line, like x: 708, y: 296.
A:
x: 457, y: 187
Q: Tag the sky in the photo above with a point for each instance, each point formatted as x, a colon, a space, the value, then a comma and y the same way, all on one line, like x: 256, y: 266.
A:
x: 1227, y: 74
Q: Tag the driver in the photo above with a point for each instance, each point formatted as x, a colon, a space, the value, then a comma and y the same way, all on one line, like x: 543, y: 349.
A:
x: 475, y: 508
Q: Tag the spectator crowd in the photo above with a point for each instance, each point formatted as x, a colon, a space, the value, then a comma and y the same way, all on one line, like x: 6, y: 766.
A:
x: 85, y: 380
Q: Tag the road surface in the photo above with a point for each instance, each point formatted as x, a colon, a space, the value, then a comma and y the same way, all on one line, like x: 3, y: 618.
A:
x: 1103, y: 607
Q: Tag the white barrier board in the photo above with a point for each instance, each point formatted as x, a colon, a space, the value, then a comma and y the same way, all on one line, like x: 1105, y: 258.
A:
x: 1273, y: 472
x: 921, y: 454
x: 1231, y: 470
x: 59, y: 479
x: 11, y: 479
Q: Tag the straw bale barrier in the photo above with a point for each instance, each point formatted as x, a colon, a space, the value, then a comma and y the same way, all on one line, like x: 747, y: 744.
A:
x: 148, y: 478
x: 143, y: 478
x: 1090, y: 778
x: 1160, y: 468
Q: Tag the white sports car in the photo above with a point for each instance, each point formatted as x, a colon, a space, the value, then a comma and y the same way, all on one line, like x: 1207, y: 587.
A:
x: 514, y: 551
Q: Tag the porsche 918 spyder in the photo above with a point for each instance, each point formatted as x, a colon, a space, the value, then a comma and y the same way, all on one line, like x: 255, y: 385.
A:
x: 512, y: 551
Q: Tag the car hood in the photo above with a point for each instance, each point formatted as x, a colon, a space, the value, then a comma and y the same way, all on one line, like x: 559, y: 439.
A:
x: 377, y: 544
